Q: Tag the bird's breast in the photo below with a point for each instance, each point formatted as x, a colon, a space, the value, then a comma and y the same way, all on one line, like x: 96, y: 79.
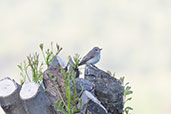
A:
x: 94, y: 60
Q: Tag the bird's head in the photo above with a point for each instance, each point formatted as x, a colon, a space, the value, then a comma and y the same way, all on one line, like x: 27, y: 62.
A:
x: 97, y: 49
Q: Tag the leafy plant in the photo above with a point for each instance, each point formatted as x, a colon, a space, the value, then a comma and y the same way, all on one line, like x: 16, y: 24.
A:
x: 109, y: 72
x: 77, y: 59
x: 35, y: 66
x: 75, y: 96
x: 24, y: 72
x: 59, y: 104
x: 49, y: 54
x: 72, y: 99
x: 127, y: 92
x: 70, y: 105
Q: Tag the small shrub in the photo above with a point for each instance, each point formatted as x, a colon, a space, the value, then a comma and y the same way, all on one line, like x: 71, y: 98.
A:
x: 34, y: 65
x: 127, y: 92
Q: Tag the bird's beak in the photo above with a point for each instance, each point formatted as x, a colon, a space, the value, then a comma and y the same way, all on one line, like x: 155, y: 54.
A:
x: 100, y: 49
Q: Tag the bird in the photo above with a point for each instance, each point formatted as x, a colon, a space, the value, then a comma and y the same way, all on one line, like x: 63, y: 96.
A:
x: 92, y: 57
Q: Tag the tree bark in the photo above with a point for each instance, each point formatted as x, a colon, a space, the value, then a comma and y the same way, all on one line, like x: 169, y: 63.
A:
x: 9, y: 97
x: 35, y: 99
x: 108, y: 90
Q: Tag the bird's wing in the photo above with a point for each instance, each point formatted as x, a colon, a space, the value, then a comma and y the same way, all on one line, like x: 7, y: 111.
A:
x: 86, y: 58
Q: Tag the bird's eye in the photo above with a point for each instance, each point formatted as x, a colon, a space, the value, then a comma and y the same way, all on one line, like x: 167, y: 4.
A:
x: 96, y: 49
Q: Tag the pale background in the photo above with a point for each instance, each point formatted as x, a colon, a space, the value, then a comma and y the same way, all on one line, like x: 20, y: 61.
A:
x: 135, y: 36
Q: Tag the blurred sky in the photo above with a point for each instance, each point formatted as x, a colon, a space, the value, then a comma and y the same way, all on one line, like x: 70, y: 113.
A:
x: 135, y: 36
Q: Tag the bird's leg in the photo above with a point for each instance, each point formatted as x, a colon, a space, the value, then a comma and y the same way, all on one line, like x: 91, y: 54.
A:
x: 93, y: 65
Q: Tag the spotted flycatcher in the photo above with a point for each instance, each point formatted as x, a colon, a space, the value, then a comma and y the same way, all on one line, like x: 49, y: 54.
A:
x: 92, y: 57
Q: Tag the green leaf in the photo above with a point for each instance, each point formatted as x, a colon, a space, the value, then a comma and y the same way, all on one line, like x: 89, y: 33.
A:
x: 114, y: 74
x: 109, y: 72
x: 59, y: 103
x: 128, y: 108
x: 20, y: 67
x: 126, y: 83
x: 128, y: 88
x: 41, y: 46
x: 129, y: 99
x: 128, y: 93
x: 122, y: 79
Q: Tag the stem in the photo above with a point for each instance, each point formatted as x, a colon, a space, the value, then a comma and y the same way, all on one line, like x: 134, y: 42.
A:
x: 25, y: 69
x: 43, y: 55
x: 58, y: 91
x: 68, y: 98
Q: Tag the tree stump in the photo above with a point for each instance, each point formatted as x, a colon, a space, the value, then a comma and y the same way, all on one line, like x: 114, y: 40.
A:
x: 105, y: 94
x: 35, y: 99
x: 9, y: 97
x: 108, y: 89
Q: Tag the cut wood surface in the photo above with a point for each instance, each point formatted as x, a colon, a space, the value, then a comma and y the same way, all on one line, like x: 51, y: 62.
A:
x: 7, y: 87
x: 29, y: 90
x: 9, y: 97
x: 35, y: 99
